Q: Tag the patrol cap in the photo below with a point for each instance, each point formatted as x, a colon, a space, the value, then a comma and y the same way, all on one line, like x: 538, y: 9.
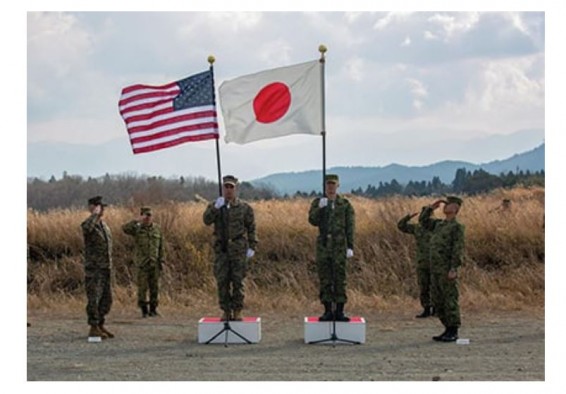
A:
x: 97, y: 200
x: 230, y: 180
x: 145, y: 211
x: 454, y: 200
x: 332, y: 178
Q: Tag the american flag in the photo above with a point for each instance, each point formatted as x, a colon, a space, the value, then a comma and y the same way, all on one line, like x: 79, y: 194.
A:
x: 158, y: 117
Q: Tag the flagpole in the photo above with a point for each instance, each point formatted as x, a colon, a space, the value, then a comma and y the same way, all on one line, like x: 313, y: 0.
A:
x: 211, y: 60
x: 322, y: 49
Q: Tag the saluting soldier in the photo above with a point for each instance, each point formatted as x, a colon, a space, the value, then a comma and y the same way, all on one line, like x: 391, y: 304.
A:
x: 235, y: 243
x: 335, y: 218
x: 149, y: 258
x: 446, y: 253
x: 422, y: 237
x: 97, y: 266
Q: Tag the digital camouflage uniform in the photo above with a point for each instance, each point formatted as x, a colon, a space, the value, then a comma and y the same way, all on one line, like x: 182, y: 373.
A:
x: 422, y: 238
x: 446, y: 252
x: 336, y: 224
x: 235, y: 221
x: 98, y: 266
x: 148, y: 259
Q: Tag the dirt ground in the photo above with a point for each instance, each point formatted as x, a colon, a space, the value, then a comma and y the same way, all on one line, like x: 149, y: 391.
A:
x: 504, y: 346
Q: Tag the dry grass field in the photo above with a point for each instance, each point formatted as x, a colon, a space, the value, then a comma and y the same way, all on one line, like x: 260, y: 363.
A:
x: 503, y: 266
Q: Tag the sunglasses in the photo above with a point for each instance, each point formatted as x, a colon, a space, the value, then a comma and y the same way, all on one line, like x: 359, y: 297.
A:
x: 228, y: 186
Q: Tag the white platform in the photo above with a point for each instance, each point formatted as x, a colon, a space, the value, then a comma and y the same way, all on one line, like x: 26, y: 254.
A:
x: 249, y: 328
x: 354, y: 330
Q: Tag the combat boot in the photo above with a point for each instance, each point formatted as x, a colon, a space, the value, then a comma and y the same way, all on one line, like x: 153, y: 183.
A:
x: 225, y: 315
x: 451, y: 335
x: 105, y: 331
x: 339, y: 314
x: 153, y: 310
x: 95, y: 332
x: 439, y: 337
x: 327, y: 315
x: 425, y: 313
x: 144, y: 310
x: 237, y: 315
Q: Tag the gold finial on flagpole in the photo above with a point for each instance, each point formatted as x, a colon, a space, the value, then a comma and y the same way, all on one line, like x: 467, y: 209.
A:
x: 322, y: 49
x: 211, y: 59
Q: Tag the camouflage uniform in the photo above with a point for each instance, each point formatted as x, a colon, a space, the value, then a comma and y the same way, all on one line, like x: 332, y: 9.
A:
x: 235, y: 221
x: 98, y: 266
x: 149, y: 257
x: 422, y: 237
x: 336, y: 234
x: 446, y: 251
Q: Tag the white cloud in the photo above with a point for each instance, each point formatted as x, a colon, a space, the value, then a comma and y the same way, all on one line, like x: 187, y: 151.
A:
x: 390, y: 18
x: 454, y: 24
x: 406, y: 42
x: 57, y: 48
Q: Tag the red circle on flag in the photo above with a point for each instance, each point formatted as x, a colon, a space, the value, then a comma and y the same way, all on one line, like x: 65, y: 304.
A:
x: 272, y: 102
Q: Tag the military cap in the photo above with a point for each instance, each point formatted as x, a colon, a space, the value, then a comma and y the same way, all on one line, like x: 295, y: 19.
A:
x: 333, y: 178
x: 145, y: 211
x: 230, y: 179
x: 454, y: 200
x: 97, y: 200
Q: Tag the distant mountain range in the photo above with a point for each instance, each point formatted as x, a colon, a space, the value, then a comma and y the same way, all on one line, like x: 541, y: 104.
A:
x: 355, y: 177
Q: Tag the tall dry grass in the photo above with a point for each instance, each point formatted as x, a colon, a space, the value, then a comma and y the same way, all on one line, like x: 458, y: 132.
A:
x: 503, y: 266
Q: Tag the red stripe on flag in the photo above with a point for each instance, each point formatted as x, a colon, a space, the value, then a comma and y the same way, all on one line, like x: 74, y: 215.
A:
x: 200, y: 126
x: 137, y: 118
x: 139, y: 87
x: 179, y: 141
x: 139, y: 107
x: 172, y: 120
x: 148, y: 95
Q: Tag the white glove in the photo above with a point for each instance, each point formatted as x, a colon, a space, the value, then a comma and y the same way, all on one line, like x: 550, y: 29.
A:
x: 219, y: 203
x: 349, y: 253
x: 250, y: 253
x: 323, y: 202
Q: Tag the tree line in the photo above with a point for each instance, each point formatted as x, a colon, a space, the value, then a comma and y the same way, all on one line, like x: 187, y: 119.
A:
x: 465, y: 182
x: 127, y: 189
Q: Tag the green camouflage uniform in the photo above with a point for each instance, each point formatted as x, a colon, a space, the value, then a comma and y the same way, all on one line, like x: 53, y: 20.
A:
x: 446, y: 251
x: 422, y: 237
x: 236, y: 221
x: 149, y: 257
x: 336, y: 234
x: 98, y: 266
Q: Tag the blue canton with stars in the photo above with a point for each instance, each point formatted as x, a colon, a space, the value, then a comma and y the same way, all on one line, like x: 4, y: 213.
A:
x: 196, y: 90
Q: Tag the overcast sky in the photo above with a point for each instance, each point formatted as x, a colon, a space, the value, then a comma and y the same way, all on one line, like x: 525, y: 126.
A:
x: 398, y: 84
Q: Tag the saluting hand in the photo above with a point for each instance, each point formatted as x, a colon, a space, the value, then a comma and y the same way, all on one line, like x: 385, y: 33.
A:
x: 436, y: 204
x: 452, y: 274
x: 219, y: 203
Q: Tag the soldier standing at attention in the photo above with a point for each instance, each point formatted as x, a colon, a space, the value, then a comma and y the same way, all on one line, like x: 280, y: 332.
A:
x: 422, y: 237
x: 235, y: 243
x: 334, y: 216
x: 446, y: 252
x: 149, y: 259
x: 97, y: 266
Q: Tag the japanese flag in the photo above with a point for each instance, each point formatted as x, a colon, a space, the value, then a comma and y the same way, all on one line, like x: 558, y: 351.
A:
x: 273, y: 103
